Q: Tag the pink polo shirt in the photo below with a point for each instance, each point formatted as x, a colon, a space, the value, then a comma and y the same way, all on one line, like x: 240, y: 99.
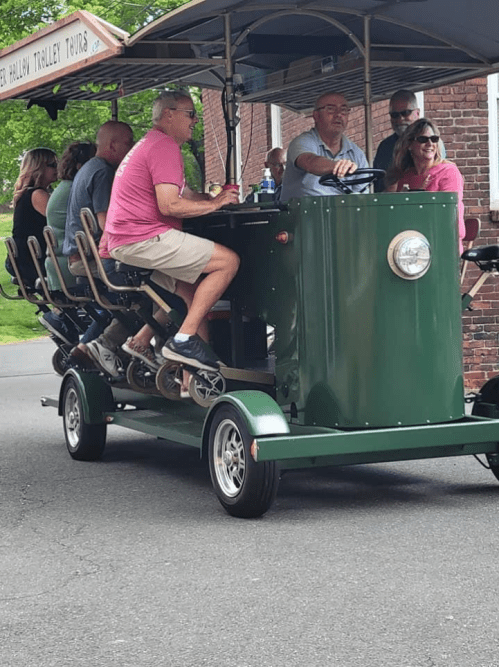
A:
x: 133, y: 213
x: 443, y: 177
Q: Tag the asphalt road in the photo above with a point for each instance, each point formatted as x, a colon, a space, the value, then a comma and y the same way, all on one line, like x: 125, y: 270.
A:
x: 131, y: 561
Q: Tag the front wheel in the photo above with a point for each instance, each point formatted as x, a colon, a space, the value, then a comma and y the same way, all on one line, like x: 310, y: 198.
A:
x: 85, y: 442
x: 244, y: 487
x: 489, y: 396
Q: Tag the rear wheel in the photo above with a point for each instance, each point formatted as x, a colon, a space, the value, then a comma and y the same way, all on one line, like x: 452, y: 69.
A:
x: 85, y: 442
x: 489, y: 395
x: 244, y: 487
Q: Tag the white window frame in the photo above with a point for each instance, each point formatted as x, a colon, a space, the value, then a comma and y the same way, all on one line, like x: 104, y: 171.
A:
x: 275, y: 126
x: 493, y: 102
x: 420, y: 101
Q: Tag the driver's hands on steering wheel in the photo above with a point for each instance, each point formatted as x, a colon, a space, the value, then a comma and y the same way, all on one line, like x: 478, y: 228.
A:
x: 341, y: 168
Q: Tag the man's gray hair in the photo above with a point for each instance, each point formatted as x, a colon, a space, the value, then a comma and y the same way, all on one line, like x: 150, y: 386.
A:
x: 168, y: 99
x: 405, y: 96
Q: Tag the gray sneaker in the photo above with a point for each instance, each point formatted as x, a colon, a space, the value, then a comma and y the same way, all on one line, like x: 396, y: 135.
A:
x: 109, y: 362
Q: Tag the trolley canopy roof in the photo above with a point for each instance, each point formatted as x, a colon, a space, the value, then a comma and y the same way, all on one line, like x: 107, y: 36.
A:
x: 283, y: 52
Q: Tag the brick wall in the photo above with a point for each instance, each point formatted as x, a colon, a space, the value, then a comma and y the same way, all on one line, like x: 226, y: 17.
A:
x: 461, y: 114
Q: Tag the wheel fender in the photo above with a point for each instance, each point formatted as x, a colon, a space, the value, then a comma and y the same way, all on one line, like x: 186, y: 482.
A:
x: 96, y: 395
x: 262, y: 415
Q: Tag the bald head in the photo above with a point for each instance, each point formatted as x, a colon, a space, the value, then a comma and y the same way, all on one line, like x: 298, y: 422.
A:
x: 276, y: 161
x: 114, y: 140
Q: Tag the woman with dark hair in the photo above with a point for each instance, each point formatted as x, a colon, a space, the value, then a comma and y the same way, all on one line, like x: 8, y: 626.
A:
x: 418, y: 165
x: 73, y: 158
x: 31, y: 196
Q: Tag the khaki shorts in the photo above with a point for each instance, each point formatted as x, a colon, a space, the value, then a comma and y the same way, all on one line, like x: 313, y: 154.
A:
x: 174, y: 255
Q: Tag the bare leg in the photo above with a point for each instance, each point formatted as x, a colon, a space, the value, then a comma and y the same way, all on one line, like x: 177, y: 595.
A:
x: 221, y: 270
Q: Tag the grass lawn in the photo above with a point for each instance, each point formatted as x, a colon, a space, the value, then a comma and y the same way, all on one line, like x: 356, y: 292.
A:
x: 18, y: 319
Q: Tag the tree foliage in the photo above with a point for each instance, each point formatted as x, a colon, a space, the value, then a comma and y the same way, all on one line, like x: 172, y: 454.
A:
x: 22, y: 128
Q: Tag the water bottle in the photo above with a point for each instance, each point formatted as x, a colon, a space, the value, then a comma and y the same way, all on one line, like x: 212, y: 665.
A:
x: 267, y: 185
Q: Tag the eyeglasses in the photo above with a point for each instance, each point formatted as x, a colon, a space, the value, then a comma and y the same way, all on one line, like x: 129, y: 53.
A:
x: 52, y: 164
x: 405, y: 113
x: 424, y: 139
x: 331, y: 108
x: 191, y: 112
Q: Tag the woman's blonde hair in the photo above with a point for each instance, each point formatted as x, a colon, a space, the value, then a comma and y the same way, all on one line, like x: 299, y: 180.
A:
x: 32, y: 169
x: 402, y: 159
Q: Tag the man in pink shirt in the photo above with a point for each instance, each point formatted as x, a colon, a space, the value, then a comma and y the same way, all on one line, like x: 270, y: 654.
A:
x: 144, y: 228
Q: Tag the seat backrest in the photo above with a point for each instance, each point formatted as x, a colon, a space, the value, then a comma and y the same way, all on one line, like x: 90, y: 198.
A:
x: 472, y: 226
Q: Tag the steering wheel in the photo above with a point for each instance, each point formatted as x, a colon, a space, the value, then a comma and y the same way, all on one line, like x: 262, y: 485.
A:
x: 359, y: 177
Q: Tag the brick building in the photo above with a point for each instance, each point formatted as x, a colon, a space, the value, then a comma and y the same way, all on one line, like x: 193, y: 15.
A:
x: 466, y: 114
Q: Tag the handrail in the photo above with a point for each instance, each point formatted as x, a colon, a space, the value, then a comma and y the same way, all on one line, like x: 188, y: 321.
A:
x: 52, y: 244
x: 12, y: 253
x: 89, y: 223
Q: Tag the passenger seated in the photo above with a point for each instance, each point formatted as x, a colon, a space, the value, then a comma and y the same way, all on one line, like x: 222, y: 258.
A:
x: 144, y: 228
x: 31, y: 197
x: 73, y: 158
x: 91, y: 189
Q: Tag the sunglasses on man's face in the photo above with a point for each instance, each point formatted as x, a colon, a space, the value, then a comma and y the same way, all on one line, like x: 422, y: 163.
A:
x: 396, y: 114
x: 423, y: 139
x: 190, y: 112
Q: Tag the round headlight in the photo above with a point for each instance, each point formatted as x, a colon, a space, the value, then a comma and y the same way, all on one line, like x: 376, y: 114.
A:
x: 409, y: 255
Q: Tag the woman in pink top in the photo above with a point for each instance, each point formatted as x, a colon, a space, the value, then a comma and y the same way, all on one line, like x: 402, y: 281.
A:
x: 418, y: 165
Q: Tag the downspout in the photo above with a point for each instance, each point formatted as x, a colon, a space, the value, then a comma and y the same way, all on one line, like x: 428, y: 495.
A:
x: 367, y: 90
x: 231, y: 167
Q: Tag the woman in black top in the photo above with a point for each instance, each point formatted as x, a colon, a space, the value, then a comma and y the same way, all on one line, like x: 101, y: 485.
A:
x: 31, y: 195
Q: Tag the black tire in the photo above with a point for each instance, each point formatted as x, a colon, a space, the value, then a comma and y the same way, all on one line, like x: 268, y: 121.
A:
x: 85, y: 442
x: 246, y: 489
x: 489, y: 394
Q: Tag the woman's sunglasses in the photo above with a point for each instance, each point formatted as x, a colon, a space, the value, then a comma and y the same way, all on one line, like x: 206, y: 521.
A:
x: 424, y: 139
x: 52, y: 164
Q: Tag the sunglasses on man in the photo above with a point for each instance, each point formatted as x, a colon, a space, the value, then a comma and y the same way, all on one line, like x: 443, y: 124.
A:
x: 423, y: 139
x: 405, y: 113
x: 190, y: 112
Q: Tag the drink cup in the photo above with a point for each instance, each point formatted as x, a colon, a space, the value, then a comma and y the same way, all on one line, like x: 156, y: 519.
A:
x: 231, y: 186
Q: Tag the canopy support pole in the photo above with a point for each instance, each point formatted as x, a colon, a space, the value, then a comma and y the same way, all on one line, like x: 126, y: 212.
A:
x: 231, y: 107
x: 114, y: 109
x: 367, y: 90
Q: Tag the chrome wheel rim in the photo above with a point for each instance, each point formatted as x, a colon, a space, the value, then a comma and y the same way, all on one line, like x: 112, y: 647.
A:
x: 72, y: 418
x: 229, y: 458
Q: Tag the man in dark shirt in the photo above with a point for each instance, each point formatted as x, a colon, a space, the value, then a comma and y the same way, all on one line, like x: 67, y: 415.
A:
x: 403, y: 111
x: 92, y: 185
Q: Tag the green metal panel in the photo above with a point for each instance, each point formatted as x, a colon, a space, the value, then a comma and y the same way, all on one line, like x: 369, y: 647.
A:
x: 375, y: 349
x: 472, y: 434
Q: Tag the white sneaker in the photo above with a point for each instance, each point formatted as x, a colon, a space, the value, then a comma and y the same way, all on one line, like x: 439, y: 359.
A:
x: 106, y: 360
